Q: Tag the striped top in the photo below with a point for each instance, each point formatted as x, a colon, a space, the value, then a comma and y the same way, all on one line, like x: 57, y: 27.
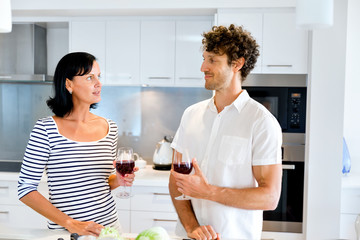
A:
x: 77, y: 172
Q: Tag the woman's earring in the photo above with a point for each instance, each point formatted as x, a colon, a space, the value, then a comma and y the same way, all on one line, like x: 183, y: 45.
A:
x: 70, y: 91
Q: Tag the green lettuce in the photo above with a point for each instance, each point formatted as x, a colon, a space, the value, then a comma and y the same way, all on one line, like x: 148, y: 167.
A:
x: 109, y: 233
x: 154, y: 233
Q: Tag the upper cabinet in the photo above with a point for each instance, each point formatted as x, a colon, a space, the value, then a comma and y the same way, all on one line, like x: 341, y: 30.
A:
x: 89, y: 36
x: 283, y: 47
x: 188, y: 57
x: 149, y: 51
x: 157, y: 52
x: 115, y: 44
x: 123, y: 52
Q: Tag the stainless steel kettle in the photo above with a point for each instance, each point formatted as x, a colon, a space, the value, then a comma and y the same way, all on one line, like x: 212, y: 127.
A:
x: 163, y: 154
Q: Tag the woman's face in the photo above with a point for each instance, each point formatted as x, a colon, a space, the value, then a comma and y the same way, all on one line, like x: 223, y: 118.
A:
x: 86, y: 89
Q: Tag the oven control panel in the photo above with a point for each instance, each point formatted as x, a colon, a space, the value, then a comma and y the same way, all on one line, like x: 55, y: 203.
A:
x: 296, y: 109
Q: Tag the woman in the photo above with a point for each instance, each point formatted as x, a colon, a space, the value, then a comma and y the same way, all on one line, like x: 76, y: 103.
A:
x: 77, y: 150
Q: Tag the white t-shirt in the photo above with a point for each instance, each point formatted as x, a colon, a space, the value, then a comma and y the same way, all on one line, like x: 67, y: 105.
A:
x: 226, y: 146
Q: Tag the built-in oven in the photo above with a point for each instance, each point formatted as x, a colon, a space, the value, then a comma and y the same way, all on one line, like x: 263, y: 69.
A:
x: 288, y: 216
x: 288, y: 105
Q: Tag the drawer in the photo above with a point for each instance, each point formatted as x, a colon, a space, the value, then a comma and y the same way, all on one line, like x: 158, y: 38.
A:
x: 8, y: 192
x: 151, y: 199
x: 141, y: 220
x: 350, y: 199
x: 21, y: 216
x: 124, y: 219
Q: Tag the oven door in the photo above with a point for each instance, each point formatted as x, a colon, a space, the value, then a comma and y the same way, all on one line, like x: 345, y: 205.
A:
x: 288, y: 216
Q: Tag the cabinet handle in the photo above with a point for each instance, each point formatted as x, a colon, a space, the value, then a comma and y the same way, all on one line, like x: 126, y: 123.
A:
x: 5, y: 187
x: 4, y: 212
x: 280, y: 65
x: 161, y: 194
x: 159, y: 77
x: 5, y: 77
x: 288, y: 166
x: 190, y: 78
x: 164, y: 220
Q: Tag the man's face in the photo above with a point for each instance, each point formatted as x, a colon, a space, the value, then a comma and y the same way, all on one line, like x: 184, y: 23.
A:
x: 218, y: 73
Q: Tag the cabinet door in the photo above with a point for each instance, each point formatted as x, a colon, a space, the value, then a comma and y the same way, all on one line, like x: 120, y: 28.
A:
x: 89, y: 36
x: 124, y: 219
x: 122, y: 52
x: 285, y: 48
x: 151, y: 199
x: 157, y: 52
x: 141, y: 220
x: 252, y: 22
x: 189, y: 53
x: 15, y: 216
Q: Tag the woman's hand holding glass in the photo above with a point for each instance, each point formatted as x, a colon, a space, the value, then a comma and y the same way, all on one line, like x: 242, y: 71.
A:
x: 125, y: 168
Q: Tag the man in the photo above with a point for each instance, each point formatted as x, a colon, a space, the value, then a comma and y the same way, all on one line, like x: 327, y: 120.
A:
x: 235, y: 143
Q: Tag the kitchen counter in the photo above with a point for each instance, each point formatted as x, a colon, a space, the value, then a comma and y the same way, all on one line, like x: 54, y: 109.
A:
x: 144, y: 177
x: 351, y: 181
x: 46, y: 234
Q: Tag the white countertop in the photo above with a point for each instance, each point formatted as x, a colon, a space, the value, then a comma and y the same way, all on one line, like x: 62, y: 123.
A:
x: 150, y: 177
x: 144, y: 177
x: 47, y: 234
x: 352, y: 180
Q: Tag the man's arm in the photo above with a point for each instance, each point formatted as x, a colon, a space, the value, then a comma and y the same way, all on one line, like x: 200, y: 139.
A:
x: 183, y: 208
x: 263, y: 197
x: 187, y: 216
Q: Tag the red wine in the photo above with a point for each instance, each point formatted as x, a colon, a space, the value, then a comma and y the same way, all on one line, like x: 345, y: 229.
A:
x: 184, y: 168
x: 125, y: 167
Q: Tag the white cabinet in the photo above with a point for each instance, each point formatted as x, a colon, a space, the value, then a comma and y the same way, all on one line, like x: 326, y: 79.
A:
x: 283, y: 47
x: 122, y: 52
x: 188, y: 58
x: 251, y: 22
x: 350, y: 208
x: 150, y: 207
x: 136, y: 51
x: 13, y: 213
x: 89, y: 36
x: 124, y: 219
x: 123, y: 209
x: 157, y: 52
x: 147, y: 219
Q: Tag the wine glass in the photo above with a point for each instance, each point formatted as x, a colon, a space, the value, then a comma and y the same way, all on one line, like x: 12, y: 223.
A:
x: 125, y: 165
x: 182, y: 164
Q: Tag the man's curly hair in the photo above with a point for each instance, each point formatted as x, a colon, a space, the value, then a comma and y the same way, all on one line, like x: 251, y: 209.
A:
x: 235, y: 42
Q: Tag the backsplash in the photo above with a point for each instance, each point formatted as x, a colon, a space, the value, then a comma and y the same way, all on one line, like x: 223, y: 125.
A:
x: 144, y: 115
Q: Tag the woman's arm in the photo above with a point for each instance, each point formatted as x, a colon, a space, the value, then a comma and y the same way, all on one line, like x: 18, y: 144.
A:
x: 41, y: 205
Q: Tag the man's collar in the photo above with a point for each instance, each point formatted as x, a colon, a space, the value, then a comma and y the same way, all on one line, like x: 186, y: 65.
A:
x: 238, y: 103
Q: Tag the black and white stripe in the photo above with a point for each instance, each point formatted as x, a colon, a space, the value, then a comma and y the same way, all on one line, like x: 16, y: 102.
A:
x: 77, y: 172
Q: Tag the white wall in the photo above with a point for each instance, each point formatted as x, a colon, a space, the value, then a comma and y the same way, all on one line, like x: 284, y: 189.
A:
x: 325, y: 128
x: 352, y: 86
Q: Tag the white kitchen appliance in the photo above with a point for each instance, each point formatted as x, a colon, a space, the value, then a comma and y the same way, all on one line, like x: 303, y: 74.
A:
x: 162, y: 158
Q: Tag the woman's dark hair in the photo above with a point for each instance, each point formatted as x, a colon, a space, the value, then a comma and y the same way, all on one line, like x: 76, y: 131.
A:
x: 72, y: 64
x: 235, y: 42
